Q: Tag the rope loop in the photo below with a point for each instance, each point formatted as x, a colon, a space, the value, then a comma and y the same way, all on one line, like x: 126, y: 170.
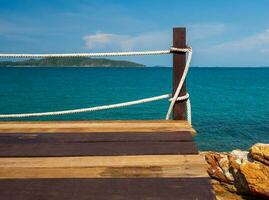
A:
x: 182, y: 98
x: 177, y: 50
x: 179, y: 87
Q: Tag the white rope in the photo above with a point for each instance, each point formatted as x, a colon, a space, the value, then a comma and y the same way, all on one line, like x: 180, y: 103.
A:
x: 182, y: 98
x: 188, y: 109
x: 186, y: 98
x: 173, y: 100
x: 179, y: 87
x: 75, y: 55
x: 105, y: 107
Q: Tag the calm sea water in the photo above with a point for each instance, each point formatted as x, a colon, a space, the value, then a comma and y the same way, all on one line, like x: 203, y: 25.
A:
x: 230, y: 106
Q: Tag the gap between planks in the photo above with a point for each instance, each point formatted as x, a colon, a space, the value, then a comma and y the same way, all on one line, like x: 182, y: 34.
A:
x: 103, y: 167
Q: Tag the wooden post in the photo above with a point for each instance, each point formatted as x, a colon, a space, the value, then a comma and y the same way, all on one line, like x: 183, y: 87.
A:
x: 179, y: 61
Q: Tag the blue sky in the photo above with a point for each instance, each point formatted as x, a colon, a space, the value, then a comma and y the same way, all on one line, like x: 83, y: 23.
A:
x: 222, y: 32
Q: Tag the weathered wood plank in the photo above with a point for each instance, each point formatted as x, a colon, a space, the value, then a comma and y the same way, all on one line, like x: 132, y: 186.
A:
x: 96, y: 148
x: 179, y: 62
x: 95, y: 126
x: 103, y: 189
x: 103, y: 167
x: 24, y: 138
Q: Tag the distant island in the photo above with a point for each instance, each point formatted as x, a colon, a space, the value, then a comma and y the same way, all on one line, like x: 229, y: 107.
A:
x: 70, y: 62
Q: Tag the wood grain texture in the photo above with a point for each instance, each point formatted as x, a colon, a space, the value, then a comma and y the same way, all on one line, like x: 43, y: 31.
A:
x: 95, y: 143
x: 179, y: 64
x: 26, y: 138
x: 103, y: 167
x: 97, y: 149
x: 95, y: 126
x: 104, y: 189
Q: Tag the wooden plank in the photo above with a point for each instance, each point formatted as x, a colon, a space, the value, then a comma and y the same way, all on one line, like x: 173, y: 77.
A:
x: 97, y: 148
x: 179, y: 62
x: 24, y: 138
x: 95, y: 126
x: 103, y: 189
x: 103, y: 167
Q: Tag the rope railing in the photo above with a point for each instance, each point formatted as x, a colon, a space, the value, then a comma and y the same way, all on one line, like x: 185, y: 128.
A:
x: 81, y: 110
x: 77, y: 55
x: 179, y: 87
x: 172, y: 98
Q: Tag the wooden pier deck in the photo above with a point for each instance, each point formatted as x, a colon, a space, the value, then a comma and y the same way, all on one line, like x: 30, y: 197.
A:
x: 101, y: 160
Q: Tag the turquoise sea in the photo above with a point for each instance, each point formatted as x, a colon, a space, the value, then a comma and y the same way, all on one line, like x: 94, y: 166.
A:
x: 230, y: 106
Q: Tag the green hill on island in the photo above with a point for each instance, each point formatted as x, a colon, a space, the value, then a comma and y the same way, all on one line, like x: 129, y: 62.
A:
x: 71, y: 62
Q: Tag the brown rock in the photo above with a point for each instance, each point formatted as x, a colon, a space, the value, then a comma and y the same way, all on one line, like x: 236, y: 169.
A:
x: 260, y: 152
x: 242, y: 172
x: 224, y: 164
x: 256, y: 176
x: 237, y: 158
x: 234, y: 163
x: 222, y: 193
x: 218, y: 166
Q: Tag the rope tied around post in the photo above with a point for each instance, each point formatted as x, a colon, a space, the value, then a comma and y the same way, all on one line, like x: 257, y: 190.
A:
x: 173, y: 99
x: 179, y: 87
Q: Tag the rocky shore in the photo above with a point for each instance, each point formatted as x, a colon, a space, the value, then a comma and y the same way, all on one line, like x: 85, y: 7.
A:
x: 240, y: 174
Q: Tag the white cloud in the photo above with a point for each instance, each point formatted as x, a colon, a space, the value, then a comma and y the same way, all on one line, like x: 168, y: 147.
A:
x: 257, y: 42
x: 252, y: 50
x: 205, y: 30
x: 152, y: 40
x: 149, y: 40
x: 145, y: 41
x: 104, y: 40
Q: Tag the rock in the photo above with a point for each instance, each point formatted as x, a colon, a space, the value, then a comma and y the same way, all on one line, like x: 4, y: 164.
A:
x: 222, y: 193
x: 260, y: 152
x: 241, y: 172
x: 236, y: 159
x: 256, y: 176
x: 219, y: 166
x: 241, y: 156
